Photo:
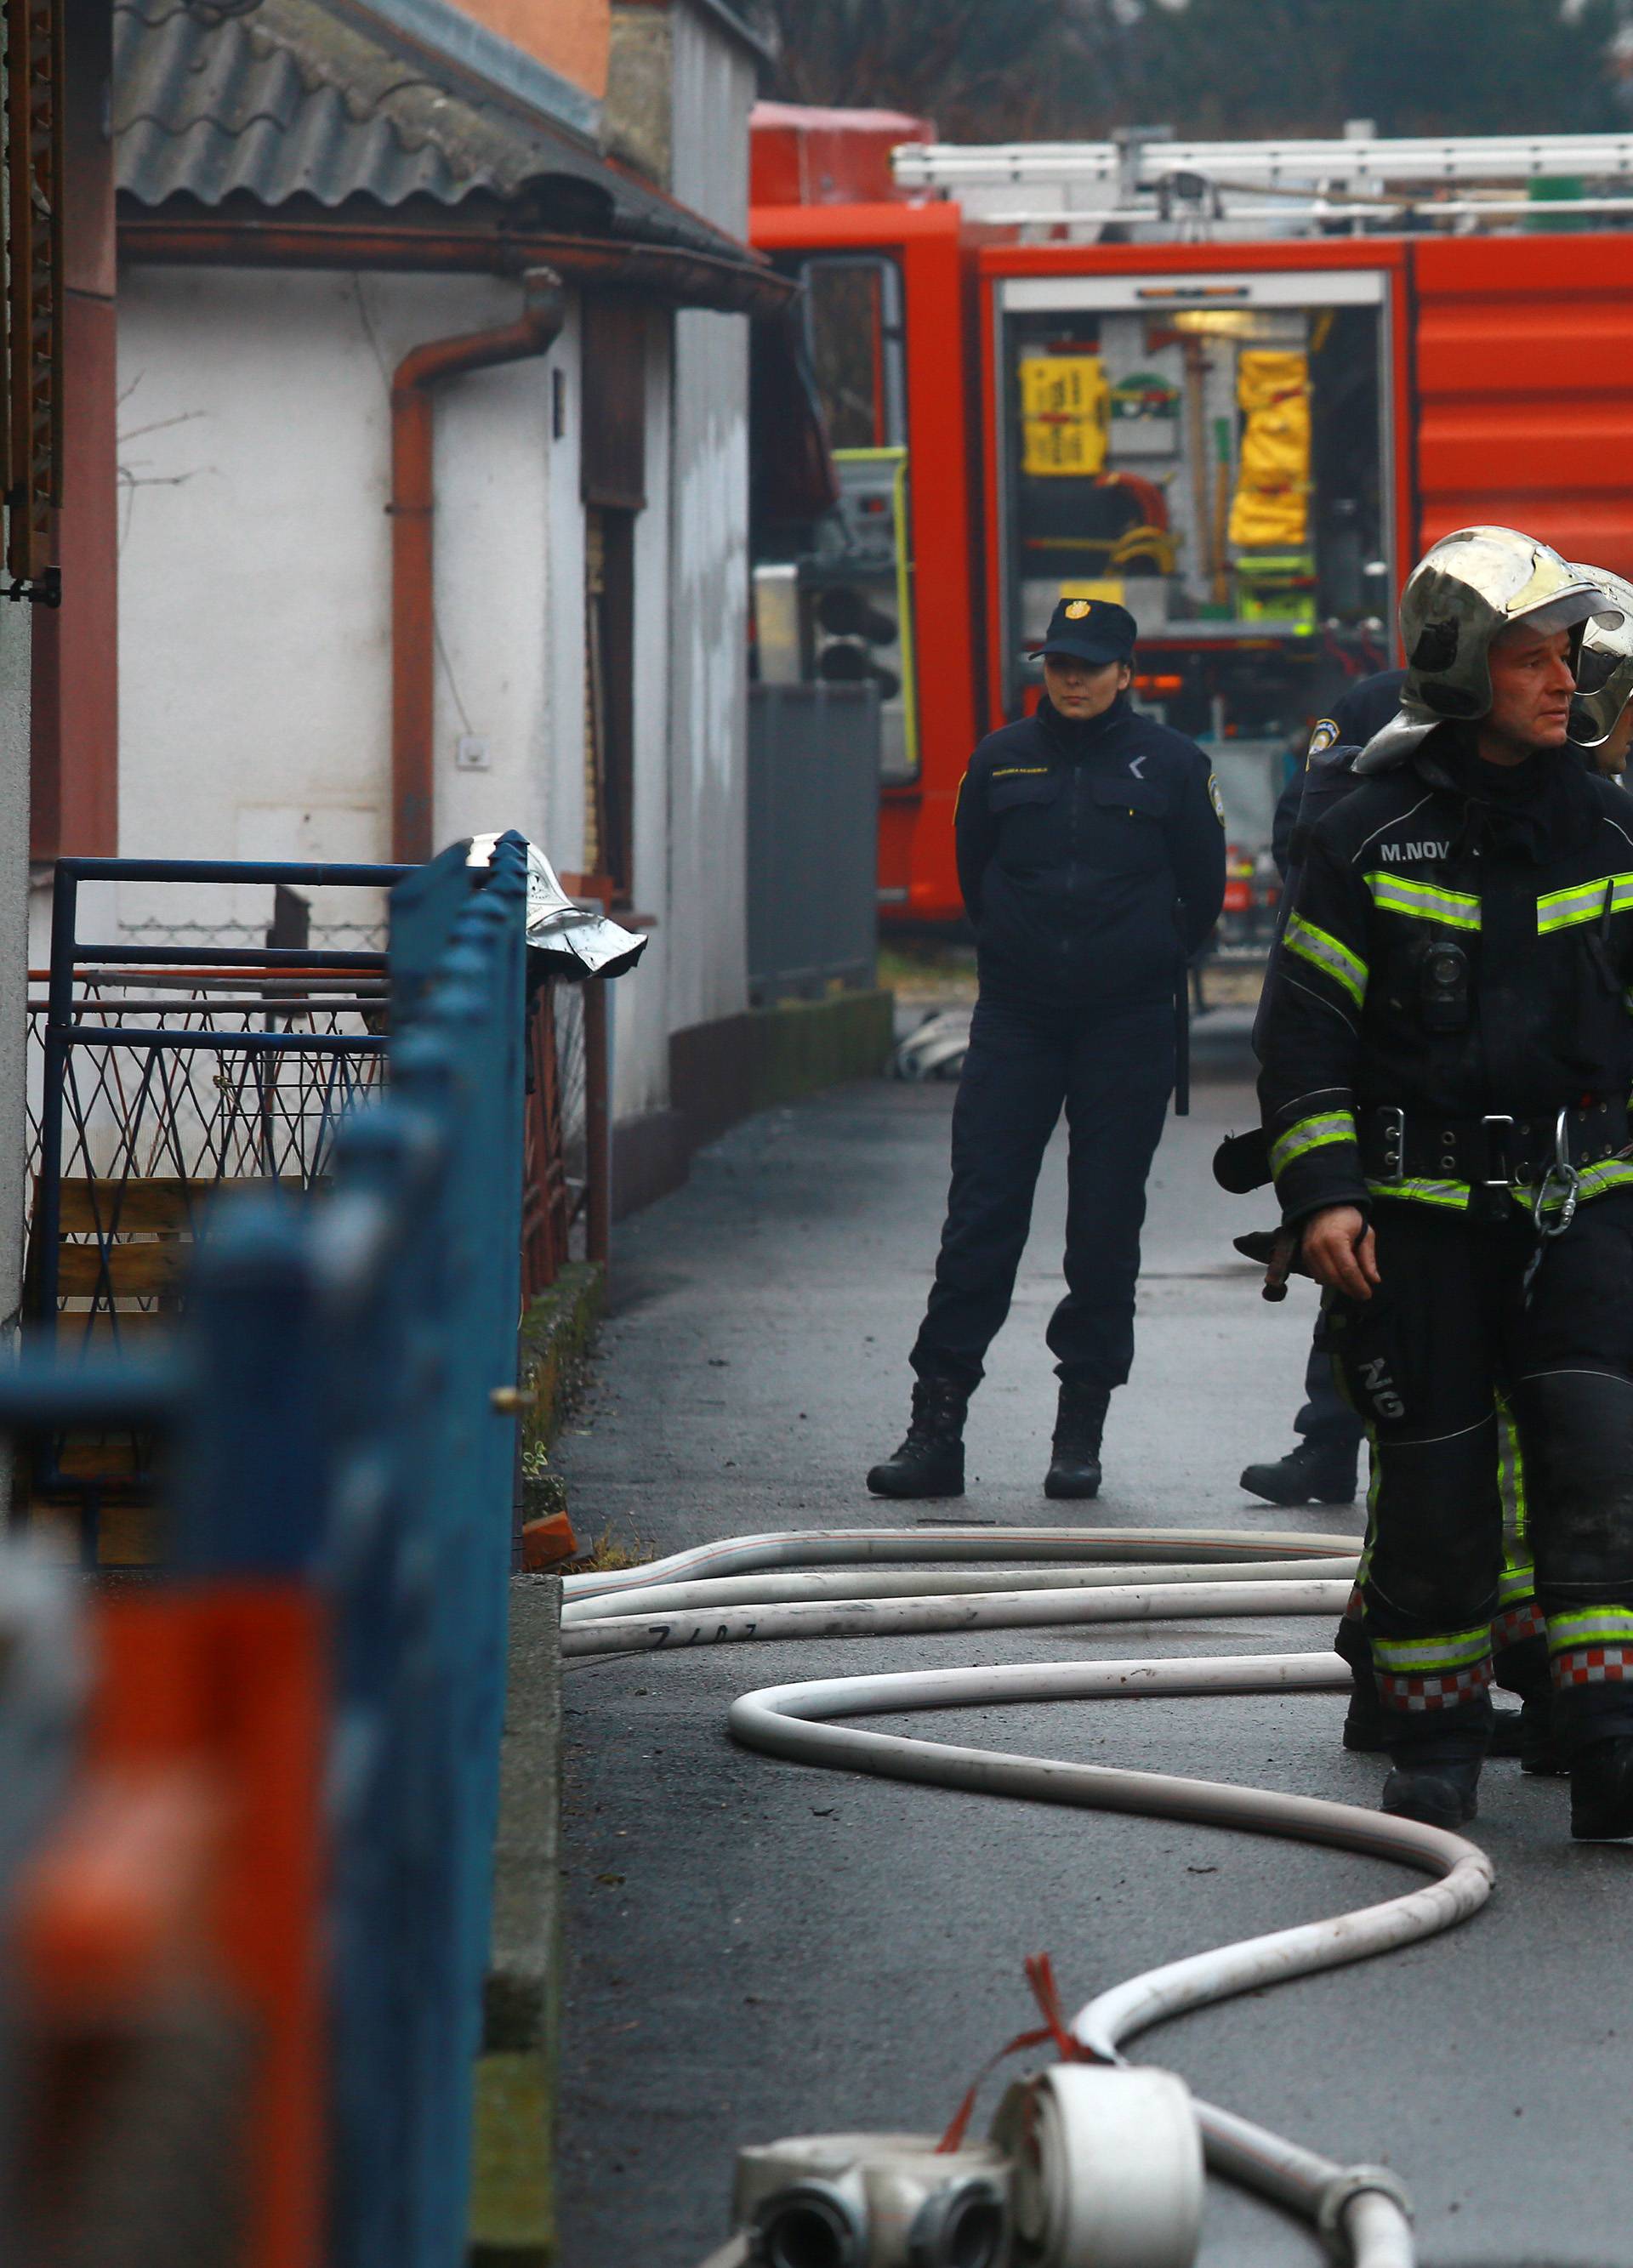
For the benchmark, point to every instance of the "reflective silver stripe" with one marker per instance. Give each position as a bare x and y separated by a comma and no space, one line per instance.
1452,1195
1311,1134
1327,953
1591,1626
1592,1182
1584,902
1423,901
1450,1650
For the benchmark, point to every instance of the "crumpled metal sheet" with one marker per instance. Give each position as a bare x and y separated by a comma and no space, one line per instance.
937,1049
577,940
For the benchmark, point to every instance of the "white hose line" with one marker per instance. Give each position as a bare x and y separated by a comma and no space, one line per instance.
767,1590
793,1721
650,1633
693,1597
827,1547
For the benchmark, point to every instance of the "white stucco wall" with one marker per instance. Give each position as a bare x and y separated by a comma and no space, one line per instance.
714,90
254,581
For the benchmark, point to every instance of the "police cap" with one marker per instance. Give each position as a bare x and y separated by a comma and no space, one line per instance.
1095,630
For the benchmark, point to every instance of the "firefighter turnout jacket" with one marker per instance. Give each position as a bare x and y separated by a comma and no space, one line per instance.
1090,855
1453,975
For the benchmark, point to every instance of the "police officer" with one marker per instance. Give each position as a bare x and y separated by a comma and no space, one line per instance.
1322,1469
1446,1056
1091,848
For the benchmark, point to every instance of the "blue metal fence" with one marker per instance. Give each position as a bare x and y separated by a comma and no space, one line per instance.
338,1409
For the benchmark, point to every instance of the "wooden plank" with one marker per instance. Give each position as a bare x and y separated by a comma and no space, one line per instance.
123,1271
128,1535
162,1202
78,1328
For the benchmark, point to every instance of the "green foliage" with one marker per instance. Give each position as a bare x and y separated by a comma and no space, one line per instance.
1212,68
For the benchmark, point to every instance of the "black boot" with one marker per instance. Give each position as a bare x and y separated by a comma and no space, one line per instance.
1074,1465
1522,1666
930,1461
1313,1473
1366,1721
1437,1765
1366,1725
1601,1791
1541,1751
1435,1794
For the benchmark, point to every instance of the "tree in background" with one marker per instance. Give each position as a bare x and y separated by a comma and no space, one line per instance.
1008,69
968,63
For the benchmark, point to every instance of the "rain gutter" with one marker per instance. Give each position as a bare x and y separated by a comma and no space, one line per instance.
672,275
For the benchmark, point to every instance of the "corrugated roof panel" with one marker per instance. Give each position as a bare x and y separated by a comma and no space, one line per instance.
206,107
318,100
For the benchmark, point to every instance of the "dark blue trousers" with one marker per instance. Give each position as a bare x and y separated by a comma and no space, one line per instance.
1112,1070
1325,1418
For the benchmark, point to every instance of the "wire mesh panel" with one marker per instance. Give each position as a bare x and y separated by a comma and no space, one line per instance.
161,1077
556,1185
169,1094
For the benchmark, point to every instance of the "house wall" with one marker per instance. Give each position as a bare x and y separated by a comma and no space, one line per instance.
568,36
255,577
713,90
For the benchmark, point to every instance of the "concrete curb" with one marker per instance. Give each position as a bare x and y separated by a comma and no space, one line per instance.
513,2219
556,1335
802,1046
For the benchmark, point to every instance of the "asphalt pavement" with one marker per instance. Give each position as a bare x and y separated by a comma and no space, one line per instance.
755,1948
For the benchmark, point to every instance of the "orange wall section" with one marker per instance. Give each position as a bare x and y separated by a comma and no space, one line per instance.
570,37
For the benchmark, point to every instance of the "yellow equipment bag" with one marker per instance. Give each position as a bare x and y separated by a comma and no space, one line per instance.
1271,505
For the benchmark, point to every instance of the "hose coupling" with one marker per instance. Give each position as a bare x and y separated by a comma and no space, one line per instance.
1341,2192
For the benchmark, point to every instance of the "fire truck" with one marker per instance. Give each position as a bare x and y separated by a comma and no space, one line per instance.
1238,386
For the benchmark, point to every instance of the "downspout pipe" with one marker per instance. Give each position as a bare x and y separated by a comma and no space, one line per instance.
413,629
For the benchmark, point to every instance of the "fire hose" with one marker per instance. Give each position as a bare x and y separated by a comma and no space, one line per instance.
735,1592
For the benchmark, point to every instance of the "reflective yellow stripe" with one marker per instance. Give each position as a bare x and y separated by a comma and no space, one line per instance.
1311,1134
1326,953
1421,901
1584,902
1591,1626
1407,1657
1452,1195
1519,1573
1593,1180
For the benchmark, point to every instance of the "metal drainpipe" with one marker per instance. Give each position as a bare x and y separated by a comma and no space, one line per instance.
413,636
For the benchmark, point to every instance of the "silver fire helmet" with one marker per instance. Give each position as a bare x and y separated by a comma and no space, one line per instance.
1604,671
1464,592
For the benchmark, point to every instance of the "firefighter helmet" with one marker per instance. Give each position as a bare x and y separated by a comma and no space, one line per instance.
1605,672
1462,594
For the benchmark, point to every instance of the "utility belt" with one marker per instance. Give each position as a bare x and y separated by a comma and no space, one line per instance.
1490,1154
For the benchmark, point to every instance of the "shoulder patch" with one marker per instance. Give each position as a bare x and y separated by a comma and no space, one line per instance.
1324,737
1214,797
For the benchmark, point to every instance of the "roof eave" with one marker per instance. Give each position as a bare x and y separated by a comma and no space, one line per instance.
674,276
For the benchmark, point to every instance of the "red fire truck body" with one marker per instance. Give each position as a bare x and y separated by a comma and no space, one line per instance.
1247,438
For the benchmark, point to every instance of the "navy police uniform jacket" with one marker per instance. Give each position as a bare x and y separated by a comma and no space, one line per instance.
1091,856
1460,945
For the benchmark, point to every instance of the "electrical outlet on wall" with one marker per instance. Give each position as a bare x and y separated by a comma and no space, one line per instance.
471,753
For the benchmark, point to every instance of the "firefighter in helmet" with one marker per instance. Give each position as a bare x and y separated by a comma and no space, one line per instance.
1601,715
1446,1056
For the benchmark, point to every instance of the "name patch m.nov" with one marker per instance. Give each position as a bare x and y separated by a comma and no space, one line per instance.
1401,854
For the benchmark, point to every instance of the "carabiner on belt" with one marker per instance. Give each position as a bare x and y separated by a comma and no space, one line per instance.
1561,1187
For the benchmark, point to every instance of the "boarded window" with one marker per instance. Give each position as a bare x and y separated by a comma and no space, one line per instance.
613,466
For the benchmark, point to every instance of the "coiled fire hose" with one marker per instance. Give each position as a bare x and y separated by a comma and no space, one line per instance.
897,1581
